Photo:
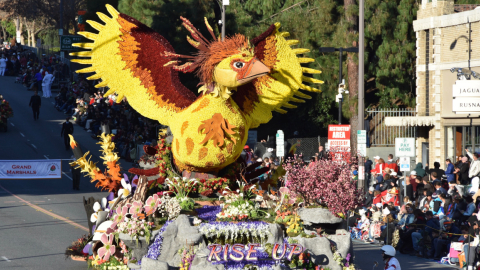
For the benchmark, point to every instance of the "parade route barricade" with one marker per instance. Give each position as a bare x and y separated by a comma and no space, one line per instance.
31,169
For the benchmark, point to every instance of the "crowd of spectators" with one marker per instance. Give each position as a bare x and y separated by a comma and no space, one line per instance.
439,216
85,104
97,114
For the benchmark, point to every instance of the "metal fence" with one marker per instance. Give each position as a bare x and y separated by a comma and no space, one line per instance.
44,49
380,135
307,147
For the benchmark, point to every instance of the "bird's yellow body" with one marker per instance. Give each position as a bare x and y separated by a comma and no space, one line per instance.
243,82
202,122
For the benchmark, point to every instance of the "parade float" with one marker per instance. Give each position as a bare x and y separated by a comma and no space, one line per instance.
194,203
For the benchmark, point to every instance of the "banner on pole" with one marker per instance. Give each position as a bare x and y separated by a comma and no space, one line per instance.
31,169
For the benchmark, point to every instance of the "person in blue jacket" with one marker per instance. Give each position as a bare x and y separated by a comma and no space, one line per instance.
449,171
432,204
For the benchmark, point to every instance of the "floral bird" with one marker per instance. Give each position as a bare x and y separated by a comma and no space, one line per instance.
243,82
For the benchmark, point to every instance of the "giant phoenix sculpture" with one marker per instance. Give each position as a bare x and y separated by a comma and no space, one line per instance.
242,82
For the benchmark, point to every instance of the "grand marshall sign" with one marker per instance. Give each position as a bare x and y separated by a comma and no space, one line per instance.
466,96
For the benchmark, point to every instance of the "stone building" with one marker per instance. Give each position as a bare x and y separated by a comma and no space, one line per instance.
448,109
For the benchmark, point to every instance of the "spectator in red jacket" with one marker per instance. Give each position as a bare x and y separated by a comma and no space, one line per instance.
379,166
392,164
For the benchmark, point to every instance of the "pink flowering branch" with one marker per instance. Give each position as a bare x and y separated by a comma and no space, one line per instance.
328,182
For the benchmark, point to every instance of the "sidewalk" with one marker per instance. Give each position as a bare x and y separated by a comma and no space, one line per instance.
367,254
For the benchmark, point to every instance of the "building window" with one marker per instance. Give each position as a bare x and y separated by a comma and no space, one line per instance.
476,138
458,139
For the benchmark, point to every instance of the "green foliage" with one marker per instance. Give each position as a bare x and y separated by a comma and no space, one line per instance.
187,204
390,41
9,27
49,37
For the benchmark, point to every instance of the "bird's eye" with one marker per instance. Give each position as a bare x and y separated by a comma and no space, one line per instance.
238,65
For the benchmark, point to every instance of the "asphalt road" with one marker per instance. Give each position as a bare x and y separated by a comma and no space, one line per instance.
367,254
40,218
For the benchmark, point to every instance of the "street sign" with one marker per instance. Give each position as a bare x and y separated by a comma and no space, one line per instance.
405,164
60,32
405,147
67,41
280,137
280,141
339,138
19,36
362,149
361,136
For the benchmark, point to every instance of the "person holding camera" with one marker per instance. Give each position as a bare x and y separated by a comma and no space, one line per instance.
474,166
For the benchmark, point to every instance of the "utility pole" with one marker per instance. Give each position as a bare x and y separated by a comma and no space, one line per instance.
361,88
223,21
60,27
222,4
341,84
340,81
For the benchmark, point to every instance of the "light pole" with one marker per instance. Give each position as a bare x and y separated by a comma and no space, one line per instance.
222,4
340,78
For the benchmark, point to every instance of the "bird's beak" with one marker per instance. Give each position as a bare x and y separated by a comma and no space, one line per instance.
254,69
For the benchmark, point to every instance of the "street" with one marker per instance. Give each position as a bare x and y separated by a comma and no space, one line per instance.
367,254
40,218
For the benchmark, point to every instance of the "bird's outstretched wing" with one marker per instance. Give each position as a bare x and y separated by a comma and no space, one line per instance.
273,91
129,57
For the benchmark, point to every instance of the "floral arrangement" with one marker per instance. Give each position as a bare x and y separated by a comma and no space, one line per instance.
283,217
328,182
110,179
343,262
170,207
302,261
212,185
209,213
76,248
241,232
295,226
111,264
135,228
187,256
237,211
182,187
